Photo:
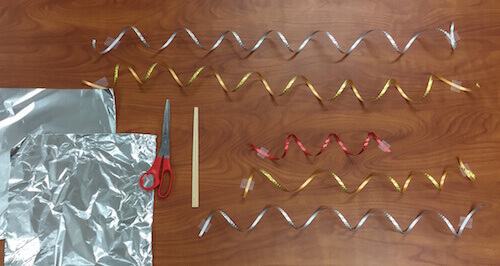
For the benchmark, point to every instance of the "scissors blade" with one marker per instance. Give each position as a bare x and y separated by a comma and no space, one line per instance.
165,136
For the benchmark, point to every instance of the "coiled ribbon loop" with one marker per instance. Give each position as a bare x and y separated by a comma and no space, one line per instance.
438,185
268,87
450,36
456,232
325,144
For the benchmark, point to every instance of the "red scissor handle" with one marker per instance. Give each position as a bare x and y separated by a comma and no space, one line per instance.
160,166
153,171
165,168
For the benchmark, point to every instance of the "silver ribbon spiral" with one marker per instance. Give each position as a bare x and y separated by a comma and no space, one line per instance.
396,225
450,36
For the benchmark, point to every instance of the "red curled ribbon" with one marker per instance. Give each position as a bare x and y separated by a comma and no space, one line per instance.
287,145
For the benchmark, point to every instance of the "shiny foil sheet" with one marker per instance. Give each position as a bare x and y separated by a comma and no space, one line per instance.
76,200
37,111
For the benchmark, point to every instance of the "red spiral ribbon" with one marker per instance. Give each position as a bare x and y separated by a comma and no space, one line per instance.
325,144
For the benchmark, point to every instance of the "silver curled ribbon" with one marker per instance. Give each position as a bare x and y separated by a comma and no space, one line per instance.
396,225
450,36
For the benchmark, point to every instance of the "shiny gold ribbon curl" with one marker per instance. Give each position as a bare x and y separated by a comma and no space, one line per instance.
439,185
268,88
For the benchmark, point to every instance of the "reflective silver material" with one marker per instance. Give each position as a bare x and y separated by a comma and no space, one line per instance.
165,132
456,233
450,36
75,200
37,111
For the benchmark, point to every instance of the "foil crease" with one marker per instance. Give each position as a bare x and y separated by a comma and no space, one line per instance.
75,200
38,111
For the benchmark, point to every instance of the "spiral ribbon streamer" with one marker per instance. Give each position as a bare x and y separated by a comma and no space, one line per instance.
450,36
456,232
268,88
325,144
468,173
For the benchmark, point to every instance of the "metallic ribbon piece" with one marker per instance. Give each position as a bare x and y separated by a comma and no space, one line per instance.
75,200
396,225
325,144
39,111
470,175
450,36
268,88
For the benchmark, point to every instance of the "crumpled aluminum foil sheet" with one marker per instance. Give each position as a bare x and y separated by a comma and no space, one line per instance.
76,200
37,111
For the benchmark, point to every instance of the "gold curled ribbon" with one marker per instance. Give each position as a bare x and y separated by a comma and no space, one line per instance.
439,185
268,88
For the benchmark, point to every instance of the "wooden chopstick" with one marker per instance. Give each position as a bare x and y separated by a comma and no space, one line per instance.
195,189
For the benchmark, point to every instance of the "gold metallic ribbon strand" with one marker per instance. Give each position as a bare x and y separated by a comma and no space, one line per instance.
456,232
268,88
438,185
450,36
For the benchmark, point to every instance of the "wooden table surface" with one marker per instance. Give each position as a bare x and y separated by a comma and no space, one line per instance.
47,43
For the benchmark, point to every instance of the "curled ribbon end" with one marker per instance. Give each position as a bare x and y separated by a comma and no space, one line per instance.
470,174
466,170
93,85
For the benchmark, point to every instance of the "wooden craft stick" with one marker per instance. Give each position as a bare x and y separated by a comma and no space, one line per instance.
195,191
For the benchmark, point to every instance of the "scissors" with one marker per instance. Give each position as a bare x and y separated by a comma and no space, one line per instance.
161,164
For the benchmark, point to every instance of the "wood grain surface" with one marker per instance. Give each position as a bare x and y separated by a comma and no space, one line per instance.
47,43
